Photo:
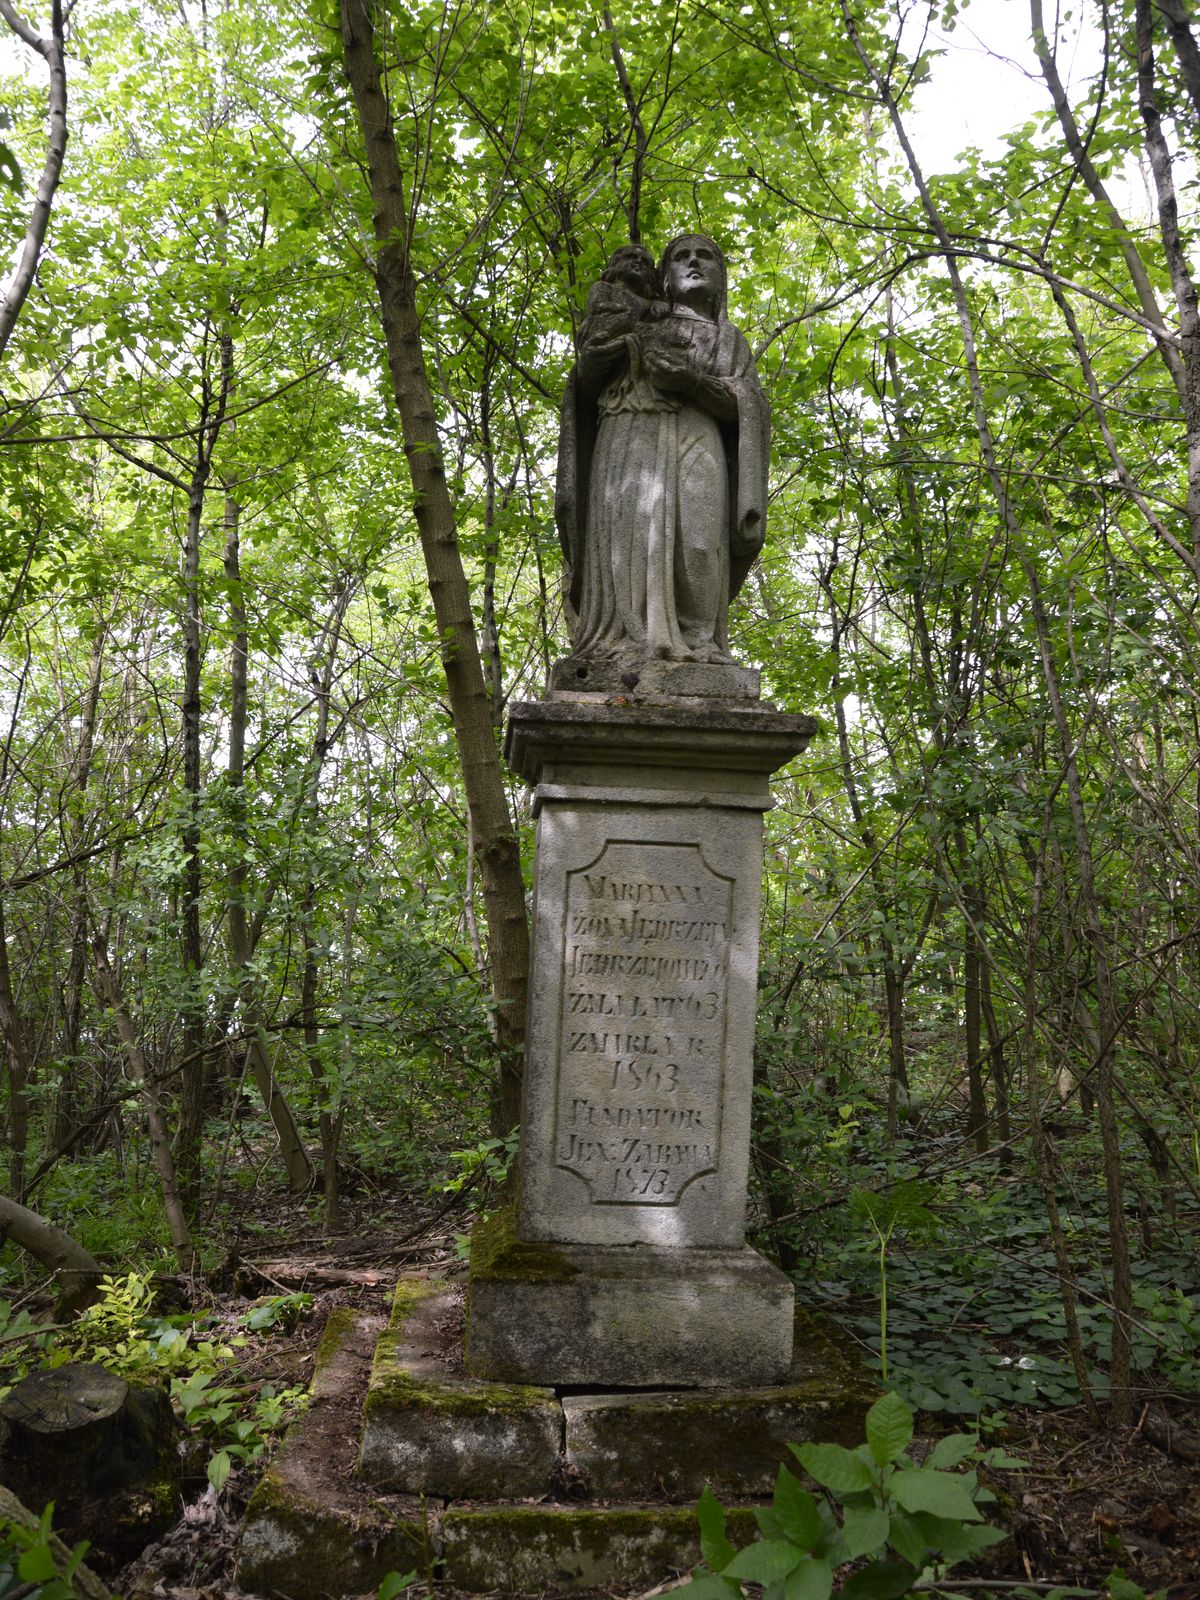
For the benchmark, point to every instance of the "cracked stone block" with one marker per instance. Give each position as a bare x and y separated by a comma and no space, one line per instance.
733,1441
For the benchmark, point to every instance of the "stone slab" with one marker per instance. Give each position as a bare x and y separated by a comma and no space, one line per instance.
730,1440
597,746
303,1534
576,675
428,1430
641,1316
528,1549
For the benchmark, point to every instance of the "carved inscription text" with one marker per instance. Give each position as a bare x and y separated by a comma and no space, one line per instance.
642,1031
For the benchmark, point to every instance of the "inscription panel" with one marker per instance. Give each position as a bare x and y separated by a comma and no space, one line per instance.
642,1027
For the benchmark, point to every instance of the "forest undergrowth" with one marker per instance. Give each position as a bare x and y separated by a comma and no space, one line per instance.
936,1267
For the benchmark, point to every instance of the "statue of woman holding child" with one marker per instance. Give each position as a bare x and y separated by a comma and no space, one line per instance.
662,474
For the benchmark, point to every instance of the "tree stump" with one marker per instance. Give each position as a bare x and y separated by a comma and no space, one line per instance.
103,1450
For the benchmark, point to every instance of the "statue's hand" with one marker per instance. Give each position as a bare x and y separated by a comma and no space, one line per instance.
670,370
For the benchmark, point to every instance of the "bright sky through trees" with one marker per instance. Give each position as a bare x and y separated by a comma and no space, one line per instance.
986,82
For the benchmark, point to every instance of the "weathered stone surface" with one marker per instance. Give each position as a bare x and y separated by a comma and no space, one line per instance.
105,1451
661,499
304,1535
627,743
307,1549
428,1431
584,675
626,1317
527,1549
732,1440
636,1116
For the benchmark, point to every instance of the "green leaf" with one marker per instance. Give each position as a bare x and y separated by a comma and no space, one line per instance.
765,1561
865,1528
1119,1587
714,1546
797,1515
907,1540
889,1428
38,1565
882,1580
395,1583
955,1447
923,1489
218,1470
834,1467
955,1540
707,1586
811,1580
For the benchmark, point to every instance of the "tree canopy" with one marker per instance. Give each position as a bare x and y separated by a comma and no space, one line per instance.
288,371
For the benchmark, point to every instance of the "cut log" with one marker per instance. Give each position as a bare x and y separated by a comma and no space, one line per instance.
103,1450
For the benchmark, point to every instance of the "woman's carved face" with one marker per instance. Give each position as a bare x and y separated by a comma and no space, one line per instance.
694,272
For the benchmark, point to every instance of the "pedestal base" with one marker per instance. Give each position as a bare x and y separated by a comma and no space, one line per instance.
628,1316
444,1459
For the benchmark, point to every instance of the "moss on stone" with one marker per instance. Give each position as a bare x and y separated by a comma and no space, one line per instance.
339,1324
411,1293
497,1252
393,1388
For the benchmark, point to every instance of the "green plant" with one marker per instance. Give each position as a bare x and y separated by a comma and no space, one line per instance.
238,1426
122,1332
395,1583
928,1516
902,1206
28,1565
490,1160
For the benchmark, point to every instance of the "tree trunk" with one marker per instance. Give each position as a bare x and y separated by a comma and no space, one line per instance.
17,1061
192,1091
241,945
108,992
75,1271
52,52
495,838
65,1109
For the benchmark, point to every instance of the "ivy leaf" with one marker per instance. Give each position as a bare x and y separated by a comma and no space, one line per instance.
889,1428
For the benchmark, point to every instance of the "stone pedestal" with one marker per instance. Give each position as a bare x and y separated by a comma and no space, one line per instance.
636,1118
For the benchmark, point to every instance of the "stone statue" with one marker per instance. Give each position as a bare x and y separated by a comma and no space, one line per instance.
662,469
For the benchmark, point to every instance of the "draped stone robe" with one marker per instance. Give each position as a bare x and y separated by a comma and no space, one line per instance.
662,497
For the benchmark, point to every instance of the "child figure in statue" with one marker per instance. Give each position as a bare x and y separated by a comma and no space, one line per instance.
627,290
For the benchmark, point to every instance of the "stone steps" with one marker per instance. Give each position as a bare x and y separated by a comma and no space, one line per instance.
448,1465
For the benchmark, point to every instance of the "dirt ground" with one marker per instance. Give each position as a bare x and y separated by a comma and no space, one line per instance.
1089,1501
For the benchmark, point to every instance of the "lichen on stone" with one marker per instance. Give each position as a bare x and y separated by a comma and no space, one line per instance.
497,1252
